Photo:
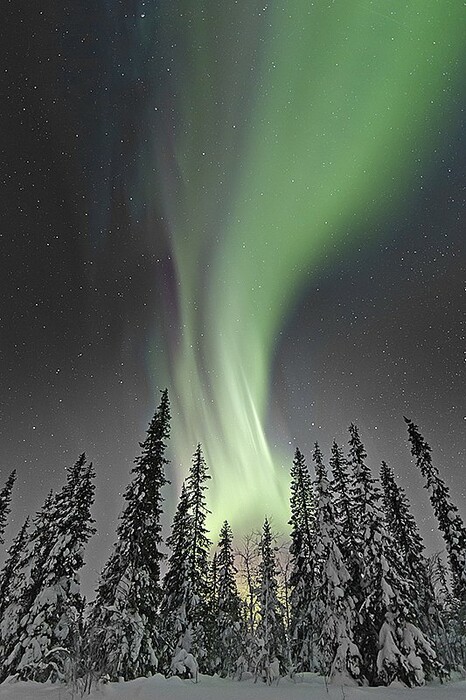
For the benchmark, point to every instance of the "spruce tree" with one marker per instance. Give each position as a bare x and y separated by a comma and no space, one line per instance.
344,508
55,618
25,584
319,466
5,500
320,474
199,555
186,583
334,604
449,520
393,648
124,625
270,657
200,543
402,526
226,608
45,643
177,590
400,520
362,558
7,575
302,571
450,638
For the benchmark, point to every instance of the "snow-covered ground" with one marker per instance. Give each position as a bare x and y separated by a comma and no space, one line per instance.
309,687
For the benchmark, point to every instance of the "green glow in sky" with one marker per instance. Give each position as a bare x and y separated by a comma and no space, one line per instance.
301,125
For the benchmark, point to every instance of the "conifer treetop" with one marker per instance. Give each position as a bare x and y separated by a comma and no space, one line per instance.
364,490
301,503
5,500
358,454
154,446
200,543
321,472
341,484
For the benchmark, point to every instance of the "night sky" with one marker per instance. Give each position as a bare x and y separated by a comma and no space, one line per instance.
258,205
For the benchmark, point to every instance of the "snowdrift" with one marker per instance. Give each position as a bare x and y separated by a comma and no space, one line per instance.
307,687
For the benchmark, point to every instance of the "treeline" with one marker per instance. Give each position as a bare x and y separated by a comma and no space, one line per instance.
353,597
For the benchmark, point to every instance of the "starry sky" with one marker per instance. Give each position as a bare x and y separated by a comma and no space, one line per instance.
258,205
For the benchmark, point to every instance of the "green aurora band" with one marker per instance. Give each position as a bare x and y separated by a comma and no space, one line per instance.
298,129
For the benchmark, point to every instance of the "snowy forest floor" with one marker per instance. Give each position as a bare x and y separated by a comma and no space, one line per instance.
306,687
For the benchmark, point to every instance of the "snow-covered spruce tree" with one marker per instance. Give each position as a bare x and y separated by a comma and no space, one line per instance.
302,565
401,522
48,632
402,526
335,613
176,586
8,583
123,623
450,639
392,647
52,638
199,554
270,653
185,609
227,608
320,472
25,584
363,519
15,553
449,520
5,500
341,485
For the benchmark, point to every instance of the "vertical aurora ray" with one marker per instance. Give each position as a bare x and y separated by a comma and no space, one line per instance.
296,129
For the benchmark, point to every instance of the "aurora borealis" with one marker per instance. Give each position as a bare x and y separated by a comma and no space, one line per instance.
280,159
258,205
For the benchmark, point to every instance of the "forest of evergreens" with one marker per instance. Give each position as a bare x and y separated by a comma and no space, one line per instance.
353,597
